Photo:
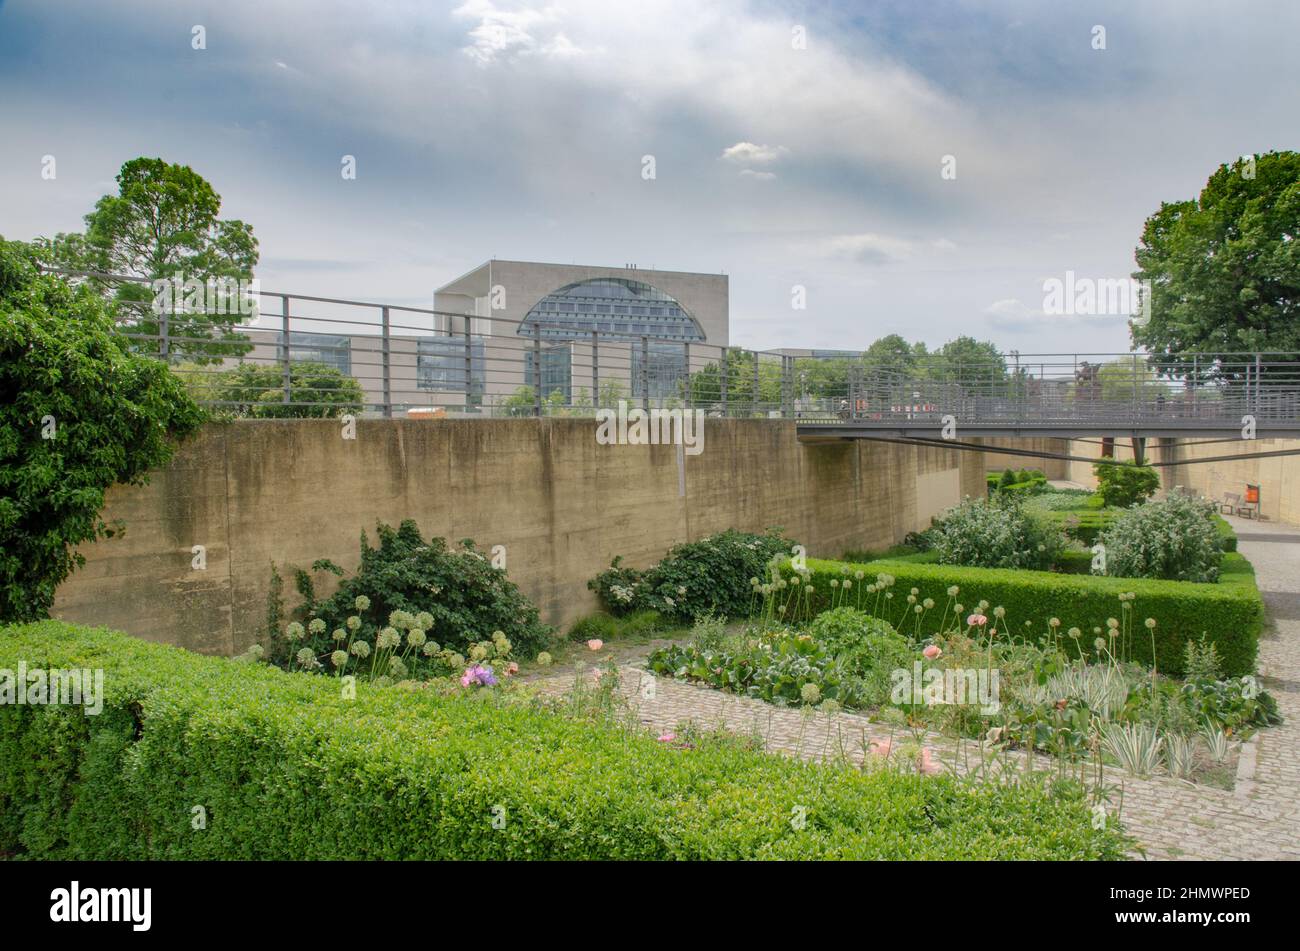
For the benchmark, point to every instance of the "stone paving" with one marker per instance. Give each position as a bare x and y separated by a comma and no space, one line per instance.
1258,819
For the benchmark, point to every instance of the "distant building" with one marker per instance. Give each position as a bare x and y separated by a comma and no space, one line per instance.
535,325
528,324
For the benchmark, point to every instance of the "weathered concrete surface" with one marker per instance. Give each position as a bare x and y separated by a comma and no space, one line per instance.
1278,477
289,492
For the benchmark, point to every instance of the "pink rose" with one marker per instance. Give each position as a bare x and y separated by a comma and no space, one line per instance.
932,652
595,644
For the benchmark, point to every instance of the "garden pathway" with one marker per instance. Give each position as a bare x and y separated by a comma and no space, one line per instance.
1258,819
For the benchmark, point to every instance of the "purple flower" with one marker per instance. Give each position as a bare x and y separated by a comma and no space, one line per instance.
486,677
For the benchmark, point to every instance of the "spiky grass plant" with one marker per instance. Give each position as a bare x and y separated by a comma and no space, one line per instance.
1135,747
1180,755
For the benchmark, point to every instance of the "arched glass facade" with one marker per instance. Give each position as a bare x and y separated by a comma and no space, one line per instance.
614,306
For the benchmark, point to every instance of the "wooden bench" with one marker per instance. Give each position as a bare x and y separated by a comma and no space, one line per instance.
1231,502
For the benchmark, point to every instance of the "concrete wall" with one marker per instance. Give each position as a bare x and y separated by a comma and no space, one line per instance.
255,492
1277,477
1052,468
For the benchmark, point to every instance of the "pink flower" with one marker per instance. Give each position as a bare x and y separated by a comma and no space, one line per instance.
928,766
976,620
667,737
466,678
511,669
595,644
932,652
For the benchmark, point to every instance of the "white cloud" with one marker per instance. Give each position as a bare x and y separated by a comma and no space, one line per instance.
758,176
500,32
747,153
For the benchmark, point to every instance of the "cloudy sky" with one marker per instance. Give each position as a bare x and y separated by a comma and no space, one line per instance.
793,143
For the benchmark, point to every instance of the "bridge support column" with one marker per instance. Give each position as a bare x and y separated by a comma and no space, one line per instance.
1139,449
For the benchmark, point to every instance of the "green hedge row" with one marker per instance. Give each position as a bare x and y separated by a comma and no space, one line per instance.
286,768
1092,522
1230,612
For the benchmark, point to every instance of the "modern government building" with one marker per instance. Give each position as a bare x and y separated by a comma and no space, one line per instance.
572,329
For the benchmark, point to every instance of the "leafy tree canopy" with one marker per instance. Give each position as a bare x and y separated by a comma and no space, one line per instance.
162,224
1225,267
79,412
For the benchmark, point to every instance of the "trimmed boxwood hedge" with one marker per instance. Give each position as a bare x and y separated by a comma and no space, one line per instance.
1092,522
1230,612
286,768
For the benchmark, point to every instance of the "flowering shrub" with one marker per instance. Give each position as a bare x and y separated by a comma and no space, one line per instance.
1176,539
995,533
422,604
709,576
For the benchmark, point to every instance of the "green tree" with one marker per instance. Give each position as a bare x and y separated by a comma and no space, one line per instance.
1224,268
163,226
967,360
705,385
253,390
1123,381
822,378
892,355
1122,484
79,412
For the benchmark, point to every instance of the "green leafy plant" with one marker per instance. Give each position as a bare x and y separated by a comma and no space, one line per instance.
995,533
1175,539
1201,660
618,588
1122,484
461,602
709,576
256,390
79,412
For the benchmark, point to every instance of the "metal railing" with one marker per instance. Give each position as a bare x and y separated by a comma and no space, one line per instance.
1126,389
413,360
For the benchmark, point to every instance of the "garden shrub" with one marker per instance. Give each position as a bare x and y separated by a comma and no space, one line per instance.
1122,484
79,412
1176,539
289,768
709,576
618,588
465,599
995,533
1229,613
869,644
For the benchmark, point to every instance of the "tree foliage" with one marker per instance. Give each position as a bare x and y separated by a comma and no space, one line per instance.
79,412
1225,267
256,391
164,223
